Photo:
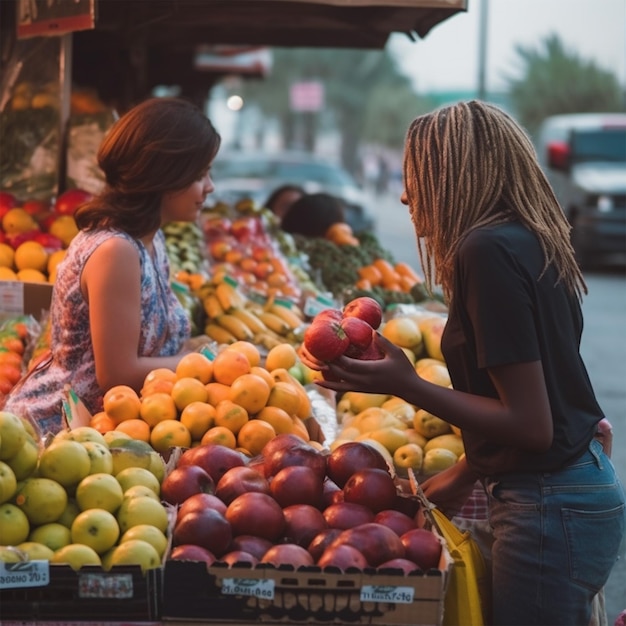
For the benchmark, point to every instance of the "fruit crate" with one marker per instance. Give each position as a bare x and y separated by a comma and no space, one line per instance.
124,593
242,595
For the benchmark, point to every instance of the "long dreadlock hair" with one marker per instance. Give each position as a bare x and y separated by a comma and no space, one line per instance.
471,165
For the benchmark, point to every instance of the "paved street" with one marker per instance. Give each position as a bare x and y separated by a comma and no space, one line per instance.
603,349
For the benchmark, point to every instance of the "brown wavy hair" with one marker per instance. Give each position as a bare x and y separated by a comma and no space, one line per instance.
161,145
471,165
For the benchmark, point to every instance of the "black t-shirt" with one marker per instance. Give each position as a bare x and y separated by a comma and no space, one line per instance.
502,313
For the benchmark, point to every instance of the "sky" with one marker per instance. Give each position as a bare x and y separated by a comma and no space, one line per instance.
448,57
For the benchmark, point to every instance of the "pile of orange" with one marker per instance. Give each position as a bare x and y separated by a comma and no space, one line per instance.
232,400
382,273
13,337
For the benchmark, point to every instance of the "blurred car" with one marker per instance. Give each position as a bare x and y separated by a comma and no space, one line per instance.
584,157
245,174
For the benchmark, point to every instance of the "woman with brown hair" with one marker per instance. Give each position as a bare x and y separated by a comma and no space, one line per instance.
491,232
114,317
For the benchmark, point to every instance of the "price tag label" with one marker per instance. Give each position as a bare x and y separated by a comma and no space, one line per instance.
394,595
24,574
312,306
12,296
254,587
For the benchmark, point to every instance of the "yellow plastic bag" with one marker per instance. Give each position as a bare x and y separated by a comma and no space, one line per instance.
467,594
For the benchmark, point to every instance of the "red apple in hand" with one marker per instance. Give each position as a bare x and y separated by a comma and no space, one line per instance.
325,339
371,487
365,308
183,482
359,333
70,200
351,456
422,547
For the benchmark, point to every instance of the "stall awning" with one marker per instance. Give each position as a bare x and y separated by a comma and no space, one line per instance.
278,23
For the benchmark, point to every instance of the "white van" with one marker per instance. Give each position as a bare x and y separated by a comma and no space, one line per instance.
584,157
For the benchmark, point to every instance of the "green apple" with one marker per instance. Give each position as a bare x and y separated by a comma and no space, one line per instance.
43,500
429,425
14,525
124,457
69,514
8,482
450,441
157,466
438,459
149,533
99,491
136,552
12,434
65,461
97,529
359,401
114,437
391,438
133,476
414,437
25,461
76,555
53,535
36,551
100,457
142,510
140,490
409,455
11,554
83,434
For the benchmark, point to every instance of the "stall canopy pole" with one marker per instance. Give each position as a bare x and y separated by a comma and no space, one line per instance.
65,90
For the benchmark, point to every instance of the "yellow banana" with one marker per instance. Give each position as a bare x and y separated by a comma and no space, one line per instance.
249,319
212,306
287,315
268,339
228,296
219,333
235,326
275,323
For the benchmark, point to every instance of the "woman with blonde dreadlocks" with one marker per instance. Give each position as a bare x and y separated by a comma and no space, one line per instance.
492,234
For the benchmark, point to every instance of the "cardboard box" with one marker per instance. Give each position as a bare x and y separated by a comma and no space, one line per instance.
20,298
124,593
243,595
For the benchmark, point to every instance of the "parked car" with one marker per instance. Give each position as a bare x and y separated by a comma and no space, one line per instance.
584,157
248,174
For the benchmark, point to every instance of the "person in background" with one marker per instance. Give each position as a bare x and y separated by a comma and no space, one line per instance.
114,316
490,231
281,199
313,214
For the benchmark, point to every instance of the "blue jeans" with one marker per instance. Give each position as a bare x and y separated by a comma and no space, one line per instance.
556,539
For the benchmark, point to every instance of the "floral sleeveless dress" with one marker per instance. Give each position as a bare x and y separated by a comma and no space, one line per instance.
164,327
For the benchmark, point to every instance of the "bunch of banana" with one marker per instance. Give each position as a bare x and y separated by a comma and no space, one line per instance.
184,243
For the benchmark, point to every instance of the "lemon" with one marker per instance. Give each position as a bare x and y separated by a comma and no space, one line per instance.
17,221
31,255
6,255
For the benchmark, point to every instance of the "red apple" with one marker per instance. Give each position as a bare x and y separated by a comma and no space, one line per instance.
371,353
407,504
297,484
300,455
244,228
288,554
256,546
217,226
371,487
239,556
256,514
183,482
214,459
365,308
325,339
70,200
238,480
342,556
402,564
422,547
322,540
191,552
302,523
206,528
347,515
351,456
201,501
48,241
359,333
376,542
396,520
282,440
36,208
334,315
331,493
